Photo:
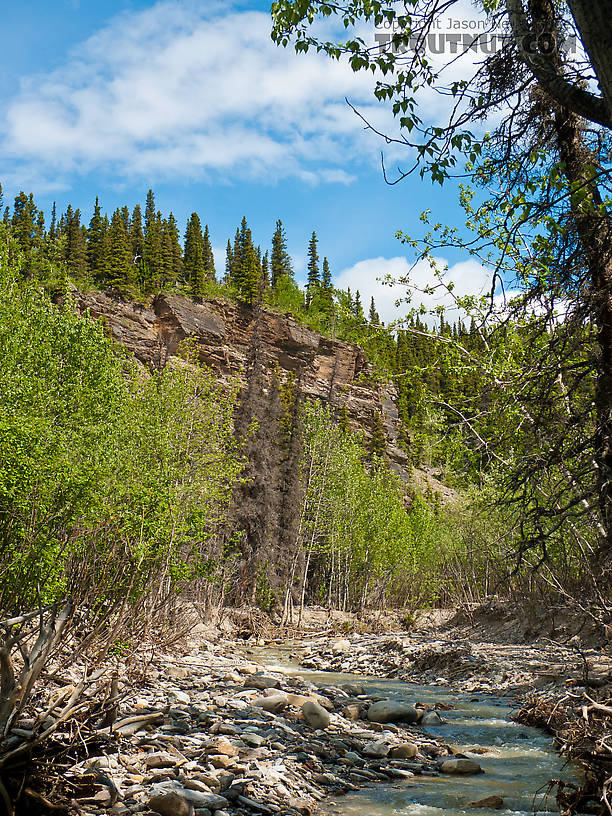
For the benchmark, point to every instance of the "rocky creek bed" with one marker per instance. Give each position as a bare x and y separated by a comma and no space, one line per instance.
213,731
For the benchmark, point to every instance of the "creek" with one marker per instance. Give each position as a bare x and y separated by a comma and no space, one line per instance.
518,761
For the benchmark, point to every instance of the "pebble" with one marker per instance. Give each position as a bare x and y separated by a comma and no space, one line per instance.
211,734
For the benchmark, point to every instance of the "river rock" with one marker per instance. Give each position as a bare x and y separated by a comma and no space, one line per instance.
352,712
315,715
494,802
406,750
341,646
391,711
261,682
431,718
376,750
353,689
160,759
460,765
170,804
274,703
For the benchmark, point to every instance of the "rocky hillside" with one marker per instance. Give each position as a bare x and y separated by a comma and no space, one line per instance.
333,371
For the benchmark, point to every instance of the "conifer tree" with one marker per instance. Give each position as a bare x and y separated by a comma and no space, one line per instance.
313,268
195,269
255,508
121,270
249,276
167,277
246,266
76,247
177,251
373,316
25,214
125,215
327,291
209,258
265,271
280,260
1,197
343,420
357,307
229,261
96,244
152,244
292,485
137,241
53,225
377,445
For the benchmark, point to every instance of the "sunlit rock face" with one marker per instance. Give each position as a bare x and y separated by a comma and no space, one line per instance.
333,371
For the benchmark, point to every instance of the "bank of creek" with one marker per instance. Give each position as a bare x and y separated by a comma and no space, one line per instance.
368,724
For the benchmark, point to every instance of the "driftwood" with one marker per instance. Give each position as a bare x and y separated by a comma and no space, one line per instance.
582,725
16,686
61,714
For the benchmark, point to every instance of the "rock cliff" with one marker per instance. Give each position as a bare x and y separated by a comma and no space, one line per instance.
333,371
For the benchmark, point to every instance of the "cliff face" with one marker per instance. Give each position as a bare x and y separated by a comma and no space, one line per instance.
333,371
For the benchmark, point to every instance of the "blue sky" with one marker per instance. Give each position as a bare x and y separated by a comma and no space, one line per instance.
192,99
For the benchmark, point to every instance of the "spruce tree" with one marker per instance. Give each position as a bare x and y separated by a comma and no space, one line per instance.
373,316
53,225
327,291
249,275
280,260
75,247
313,269
167,276
152,244
195,269
229,261
121,270
209,258
357,307
255,510
265,271
137,241
25,214
177,251
377,445
96,244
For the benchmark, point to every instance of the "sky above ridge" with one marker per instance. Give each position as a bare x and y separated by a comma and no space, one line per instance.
193,100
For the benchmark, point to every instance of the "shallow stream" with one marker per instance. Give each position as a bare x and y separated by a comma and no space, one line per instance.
518,761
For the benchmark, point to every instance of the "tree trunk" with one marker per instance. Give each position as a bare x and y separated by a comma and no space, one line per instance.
594,21
594,230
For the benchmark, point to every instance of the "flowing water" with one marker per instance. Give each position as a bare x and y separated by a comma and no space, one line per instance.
518,761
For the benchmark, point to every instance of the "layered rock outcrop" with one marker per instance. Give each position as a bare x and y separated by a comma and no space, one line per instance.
333,371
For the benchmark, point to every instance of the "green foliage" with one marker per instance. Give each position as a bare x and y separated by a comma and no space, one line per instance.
106,479
355,519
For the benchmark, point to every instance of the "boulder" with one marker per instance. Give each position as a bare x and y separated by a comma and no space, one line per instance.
170,804
341,646
376,750
459,765
315,715
406,750
431,718
351,712
493,802
353,689
274,703
391,711
261,682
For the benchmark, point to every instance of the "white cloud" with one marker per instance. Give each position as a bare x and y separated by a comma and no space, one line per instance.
368,276
177,92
